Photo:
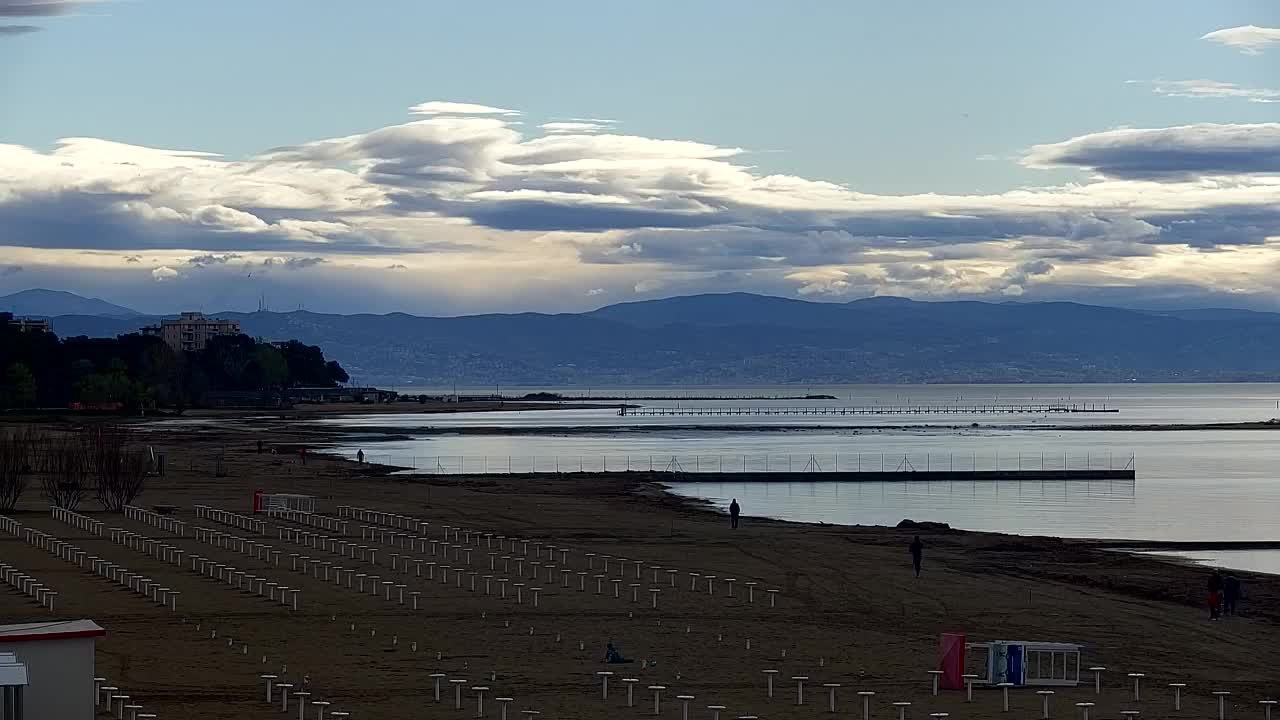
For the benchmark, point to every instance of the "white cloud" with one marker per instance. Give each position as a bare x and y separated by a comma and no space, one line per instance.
593,292
649,285
437,107
468,195
824,281
1249,39
1213,89
574,128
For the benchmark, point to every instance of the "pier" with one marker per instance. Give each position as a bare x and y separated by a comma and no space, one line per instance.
1017,409
809,467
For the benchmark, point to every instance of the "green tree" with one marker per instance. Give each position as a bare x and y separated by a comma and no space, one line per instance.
21,386
268,368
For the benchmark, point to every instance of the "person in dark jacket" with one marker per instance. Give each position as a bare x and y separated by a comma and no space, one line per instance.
917,554
1230,594
1215,595
734,511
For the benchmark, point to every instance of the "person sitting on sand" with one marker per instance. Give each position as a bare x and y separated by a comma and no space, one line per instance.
734,511
612,656
917,554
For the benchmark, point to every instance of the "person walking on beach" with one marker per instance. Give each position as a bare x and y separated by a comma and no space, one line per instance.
1230,594
360,456
734,511
1215,595
917,554
259,446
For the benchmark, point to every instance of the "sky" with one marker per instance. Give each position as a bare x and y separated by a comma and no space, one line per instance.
451,158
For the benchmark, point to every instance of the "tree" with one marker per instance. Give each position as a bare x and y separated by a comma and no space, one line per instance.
63,467
307,366
15,465
268,368
119,471
335,372
21,386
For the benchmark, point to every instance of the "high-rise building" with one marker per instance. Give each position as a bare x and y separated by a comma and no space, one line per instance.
191,331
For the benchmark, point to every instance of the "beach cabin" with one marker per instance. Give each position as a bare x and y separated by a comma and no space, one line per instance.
13,682
47,669
1023,663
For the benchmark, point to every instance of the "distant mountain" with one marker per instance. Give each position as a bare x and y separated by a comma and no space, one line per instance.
51,303
742,338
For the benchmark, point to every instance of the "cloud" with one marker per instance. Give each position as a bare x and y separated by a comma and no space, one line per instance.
833,282
398,266
293,263
211,259
8,270
473,202
1249,39
163,273
18,29
574,127
1016,278
593,292
438,107
1213,89
649,285
37,8
1176,153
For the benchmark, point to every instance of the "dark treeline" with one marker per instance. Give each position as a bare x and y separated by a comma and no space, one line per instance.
39,369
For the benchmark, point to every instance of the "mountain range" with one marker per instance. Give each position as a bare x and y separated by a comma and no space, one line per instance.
51,303
741,338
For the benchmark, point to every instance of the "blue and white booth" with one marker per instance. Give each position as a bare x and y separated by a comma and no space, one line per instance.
1022,663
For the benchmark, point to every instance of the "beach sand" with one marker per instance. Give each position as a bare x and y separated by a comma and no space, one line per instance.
848,609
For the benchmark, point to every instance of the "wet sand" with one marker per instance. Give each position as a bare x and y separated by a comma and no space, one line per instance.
848,611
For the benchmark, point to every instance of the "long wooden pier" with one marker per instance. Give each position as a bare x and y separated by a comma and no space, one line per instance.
1012,409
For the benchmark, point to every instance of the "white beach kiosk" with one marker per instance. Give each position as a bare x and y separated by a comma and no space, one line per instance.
1021,663
46,670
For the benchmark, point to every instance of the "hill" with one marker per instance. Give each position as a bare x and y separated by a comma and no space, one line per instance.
740,338
51,303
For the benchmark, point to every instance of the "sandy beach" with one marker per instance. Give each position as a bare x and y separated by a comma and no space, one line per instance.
848,609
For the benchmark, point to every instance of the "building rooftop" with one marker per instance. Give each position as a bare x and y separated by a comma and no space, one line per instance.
56,630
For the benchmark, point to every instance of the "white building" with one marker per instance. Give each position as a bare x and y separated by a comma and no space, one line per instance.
59,668
191,331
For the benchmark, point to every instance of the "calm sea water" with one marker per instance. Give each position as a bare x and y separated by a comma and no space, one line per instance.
1192,485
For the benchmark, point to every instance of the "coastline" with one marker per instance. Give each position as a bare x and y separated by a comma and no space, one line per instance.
848,611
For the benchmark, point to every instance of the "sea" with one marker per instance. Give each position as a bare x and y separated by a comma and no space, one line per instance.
1193,486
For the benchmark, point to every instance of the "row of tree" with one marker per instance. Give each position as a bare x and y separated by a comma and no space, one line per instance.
69,466
38,369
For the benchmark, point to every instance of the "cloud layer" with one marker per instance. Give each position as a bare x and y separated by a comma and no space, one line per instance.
1214,89
464,200
37,8
1249,39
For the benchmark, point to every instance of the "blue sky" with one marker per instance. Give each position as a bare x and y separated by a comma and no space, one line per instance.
889,99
